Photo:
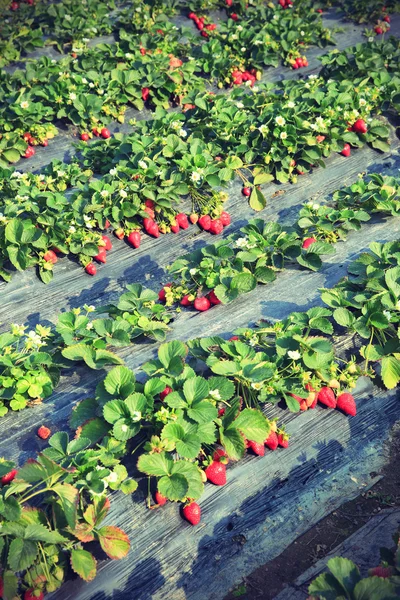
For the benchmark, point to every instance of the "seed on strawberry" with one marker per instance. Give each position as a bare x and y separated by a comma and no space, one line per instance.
327,397
205,222
346,150
216,227
33,594
107,242
9,477
101,256
119,233
165,392
84,137
43,432
246,191
213,298
202,304
216,473
145,94
360,126
308,241
257,448
105,133
192,513
225,218
160,499
91,269
182,220
50,256
272,441
134,239
346,403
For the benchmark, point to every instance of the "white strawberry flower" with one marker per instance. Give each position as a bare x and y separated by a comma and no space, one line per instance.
128,55
294,354
71,229
195,176
370,39
17,174
243,49
290,104
124,428
387,314
3,219
84,80
68,17
60,173
239,105
112,477
257,385
302,32
263,129
17,330
35,338
176,125
24,104
283,135
142,164
72,96
91,84
123,194
104,193
193,271
280,121
215,394
183,133
362,102
313,77
315,206
89,326
113,171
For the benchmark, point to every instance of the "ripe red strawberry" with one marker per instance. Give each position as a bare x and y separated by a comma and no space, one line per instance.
182,220
185,300
91,269
257,448
1,587
14,6
44,432
150,212
213,298
107,224
216,473
134,239
225,218
84,137
246,191
234,338
95,131
27,136
380,571
145,94
220,453
221,412
283,440
105,133
175,228
165,392
142,51
29,152
194,218
9,477
101,256
151,227
192,513
327,397
234,17
119,233
308,241
107,242
216,227
346,150
320,138
160,499
50,256
205,222
272,441
347,404
161,293
360,126
229,2
378,30
33,594
192,16
202,304
44,143
386,18
211,26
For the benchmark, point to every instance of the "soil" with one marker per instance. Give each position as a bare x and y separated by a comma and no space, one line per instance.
267,581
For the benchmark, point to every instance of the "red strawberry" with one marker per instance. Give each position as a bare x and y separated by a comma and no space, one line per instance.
346,150
32,594
185,300
216,473
161,293
216,227
101,256
105,133
308,241
8,477
44,432
145,94
378,30
320,138
182,220
95,131
50,256
84,137
194,218
205,222
192,16
225,218
150,212
91,269
107,224
44,143
14,6
151,227
192,513
283,440
272,441
175,228
29,152
301,401
119,233
380,571
347,404
27,136
257,448
221,412
246,191
202,304
107,241
1,587
229,2
160,499
327,397
386,18
234,17
220,453
165,392
213,298
360,126
134,239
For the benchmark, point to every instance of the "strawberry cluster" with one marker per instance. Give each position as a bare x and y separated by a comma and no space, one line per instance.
326,396
101,257
285,3
240,77
382,25
201,25
299,62
32,141
360,127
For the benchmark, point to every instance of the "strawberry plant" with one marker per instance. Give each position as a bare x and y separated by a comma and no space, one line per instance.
363,11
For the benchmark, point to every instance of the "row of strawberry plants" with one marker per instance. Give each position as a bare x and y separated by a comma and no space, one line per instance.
218,273
188,426
363,11
272,134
